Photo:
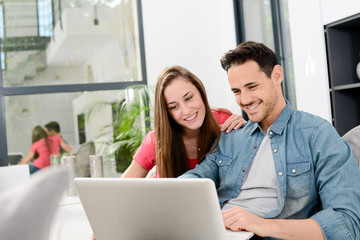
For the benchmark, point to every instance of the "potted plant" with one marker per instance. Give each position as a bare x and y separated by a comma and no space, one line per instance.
131,122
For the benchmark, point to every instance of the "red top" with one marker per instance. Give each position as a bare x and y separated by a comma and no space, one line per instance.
42,150
54,144
145,155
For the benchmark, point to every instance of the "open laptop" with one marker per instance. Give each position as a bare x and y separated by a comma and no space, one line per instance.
153,209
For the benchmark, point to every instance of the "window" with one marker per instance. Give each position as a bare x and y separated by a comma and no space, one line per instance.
93,51
267,21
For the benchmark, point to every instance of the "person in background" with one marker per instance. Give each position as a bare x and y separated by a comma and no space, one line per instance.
38,150
287,174
185,128
57,144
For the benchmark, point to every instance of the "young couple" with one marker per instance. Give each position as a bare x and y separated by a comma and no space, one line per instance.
45,142
286,174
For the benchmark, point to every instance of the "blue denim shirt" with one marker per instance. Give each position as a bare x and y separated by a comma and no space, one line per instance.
317,172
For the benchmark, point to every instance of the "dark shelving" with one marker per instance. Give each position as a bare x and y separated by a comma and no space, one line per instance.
343,55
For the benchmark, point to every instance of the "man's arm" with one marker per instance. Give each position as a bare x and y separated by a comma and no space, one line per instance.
238,219
337,181
207,169
65,146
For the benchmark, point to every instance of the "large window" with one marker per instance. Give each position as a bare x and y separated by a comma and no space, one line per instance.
267,21
59,59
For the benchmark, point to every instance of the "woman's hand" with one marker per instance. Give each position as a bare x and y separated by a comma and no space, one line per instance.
232,123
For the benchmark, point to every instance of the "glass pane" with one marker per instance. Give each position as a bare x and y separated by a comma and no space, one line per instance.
288,57
91,41
80,122
258,22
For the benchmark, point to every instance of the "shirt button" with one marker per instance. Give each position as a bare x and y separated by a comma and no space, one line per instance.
220,161
243,170
275,150
293,171
255,147
271,133
280,173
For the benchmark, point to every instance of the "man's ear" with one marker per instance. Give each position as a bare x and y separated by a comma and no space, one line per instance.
277,74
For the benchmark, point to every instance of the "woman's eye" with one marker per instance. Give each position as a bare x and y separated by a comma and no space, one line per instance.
188,98
172,107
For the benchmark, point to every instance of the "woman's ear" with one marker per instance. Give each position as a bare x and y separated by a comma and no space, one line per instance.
277,74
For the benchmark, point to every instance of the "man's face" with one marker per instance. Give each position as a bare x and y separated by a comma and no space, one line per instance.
255,92
50,132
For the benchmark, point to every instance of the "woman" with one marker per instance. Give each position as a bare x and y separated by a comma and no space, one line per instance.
185,126
38,150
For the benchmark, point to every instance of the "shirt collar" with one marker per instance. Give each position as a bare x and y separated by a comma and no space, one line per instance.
280,123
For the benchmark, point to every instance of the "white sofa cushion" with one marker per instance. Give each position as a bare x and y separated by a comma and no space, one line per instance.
27,210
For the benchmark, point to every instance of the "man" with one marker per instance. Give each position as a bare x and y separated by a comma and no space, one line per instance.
286,174
58,145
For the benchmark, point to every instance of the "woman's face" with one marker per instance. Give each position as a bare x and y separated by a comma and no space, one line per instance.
185,104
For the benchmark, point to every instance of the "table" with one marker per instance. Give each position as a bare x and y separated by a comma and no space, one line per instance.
70,222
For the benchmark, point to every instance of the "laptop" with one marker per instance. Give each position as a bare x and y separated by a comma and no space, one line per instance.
153,209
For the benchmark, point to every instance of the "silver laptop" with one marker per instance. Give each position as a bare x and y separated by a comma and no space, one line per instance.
153,209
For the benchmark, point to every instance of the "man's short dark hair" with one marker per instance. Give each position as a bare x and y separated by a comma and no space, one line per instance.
53,126
258,52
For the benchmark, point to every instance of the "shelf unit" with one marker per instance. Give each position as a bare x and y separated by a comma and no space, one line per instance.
343,55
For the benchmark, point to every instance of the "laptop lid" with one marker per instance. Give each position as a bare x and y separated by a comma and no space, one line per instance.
153,209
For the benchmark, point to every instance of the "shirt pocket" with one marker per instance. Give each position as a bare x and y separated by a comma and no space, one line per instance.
224,164
298,179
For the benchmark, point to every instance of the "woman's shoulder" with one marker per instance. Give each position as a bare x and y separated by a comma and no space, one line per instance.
221,114
38,143
150,137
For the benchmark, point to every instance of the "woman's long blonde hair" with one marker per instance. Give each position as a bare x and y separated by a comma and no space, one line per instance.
171,159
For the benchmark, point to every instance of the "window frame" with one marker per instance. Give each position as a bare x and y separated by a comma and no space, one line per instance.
64,88
277,23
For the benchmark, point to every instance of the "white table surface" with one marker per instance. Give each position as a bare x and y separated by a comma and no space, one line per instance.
70,222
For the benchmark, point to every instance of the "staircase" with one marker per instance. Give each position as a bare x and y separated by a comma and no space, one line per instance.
27,27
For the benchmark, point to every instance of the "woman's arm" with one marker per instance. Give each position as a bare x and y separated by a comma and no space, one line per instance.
65,146
27,158
135,170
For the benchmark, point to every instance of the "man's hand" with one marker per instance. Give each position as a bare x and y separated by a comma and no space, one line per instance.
238,219
232,123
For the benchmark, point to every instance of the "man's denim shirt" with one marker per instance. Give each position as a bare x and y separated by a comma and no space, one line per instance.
315,168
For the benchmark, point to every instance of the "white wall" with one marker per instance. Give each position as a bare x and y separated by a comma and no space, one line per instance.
308,45
194,34
333,10
309,54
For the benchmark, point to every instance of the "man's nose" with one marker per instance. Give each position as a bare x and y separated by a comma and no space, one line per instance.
244,99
